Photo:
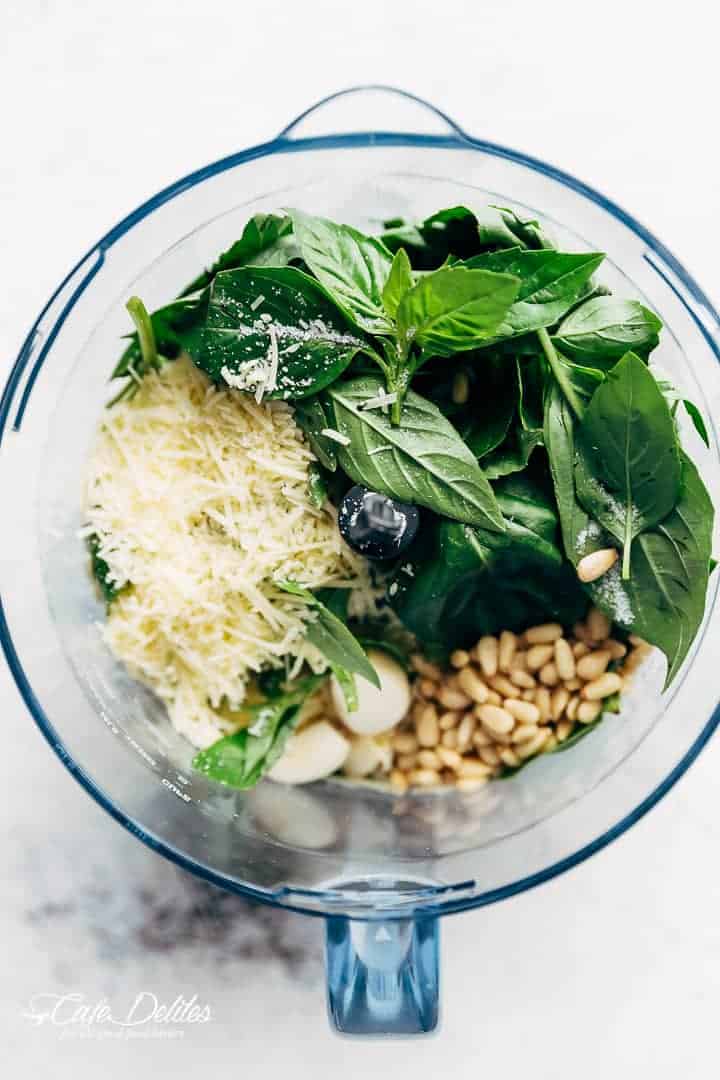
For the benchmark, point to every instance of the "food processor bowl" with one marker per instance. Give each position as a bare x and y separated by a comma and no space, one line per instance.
381,869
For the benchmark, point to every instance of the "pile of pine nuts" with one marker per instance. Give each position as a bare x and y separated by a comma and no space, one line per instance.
506,700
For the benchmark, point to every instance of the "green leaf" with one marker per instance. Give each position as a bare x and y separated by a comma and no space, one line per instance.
313,340
458,583
423,462
346,682
513,454
603,329
669,570
317,486
266,241
353,268
454,309
559,439
399,280
499,227
331,637
550,283
627,473
311,417
485,422
240,760
699,424
101,571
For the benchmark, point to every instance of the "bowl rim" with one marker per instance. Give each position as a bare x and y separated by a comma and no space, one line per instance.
443,899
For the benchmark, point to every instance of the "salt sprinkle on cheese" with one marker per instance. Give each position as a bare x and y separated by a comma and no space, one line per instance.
199,498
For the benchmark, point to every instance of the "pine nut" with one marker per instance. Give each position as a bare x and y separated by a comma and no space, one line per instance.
398,781
542,700
460,658
426,667
467,785
563,729
616,649
481,739
460,388
573,684
531,746
450,758
428,733
465,732
406,761
486,652
448,720
509,757
473,769
453,699
427,688
544,634
496,720
523,679
580,631
404,743
538,656
424,777
637,641
523,711
564,659
473,685
635,659
523,732
506,650
558,700
428,759
519,661
593,665
503,685
449,739
550,744
580,649
528,695
549,674
598,624
607,684
572,707
493,698
588,711
489,755
501,740
597,563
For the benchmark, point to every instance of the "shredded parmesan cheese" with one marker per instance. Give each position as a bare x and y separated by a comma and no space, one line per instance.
199,498
336,436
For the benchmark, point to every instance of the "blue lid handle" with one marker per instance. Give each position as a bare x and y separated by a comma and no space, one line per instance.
383,975
404,104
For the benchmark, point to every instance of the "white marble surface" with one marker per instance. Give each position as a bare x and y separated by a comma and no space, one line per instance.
613,968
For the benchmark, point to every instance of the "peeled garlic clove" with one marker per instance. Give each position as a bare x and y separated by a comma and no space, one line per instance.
311,754
366,755
378,710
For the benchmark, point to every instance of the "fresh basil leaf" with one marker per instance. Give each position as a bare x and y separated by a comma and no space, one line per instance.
699,424
627,472
669,571
331,637
453,231
399,280
266,241
240,760
550,283
499,227
485,421
168,325
311,417
584,381
353,268
513,454
423,462
559,439
459,583
454,309
101,571
603,329
346,682
313,340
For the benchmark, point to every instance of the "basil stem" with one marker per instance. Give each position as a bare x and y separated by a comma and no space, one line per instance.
561,377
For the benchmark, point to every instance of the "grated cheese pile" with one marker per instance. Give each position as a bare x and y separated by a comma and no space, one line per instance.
199,498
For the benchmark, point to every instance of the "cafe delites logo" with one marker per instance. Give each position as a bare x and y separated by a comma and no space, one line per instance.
146,1015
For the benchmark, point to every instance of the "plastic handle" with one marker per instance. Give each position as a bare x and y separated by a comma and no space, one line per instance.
382,976
394,112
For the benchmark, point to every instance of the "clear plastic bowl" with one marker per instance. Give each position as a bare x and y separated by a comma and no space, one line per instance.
381,869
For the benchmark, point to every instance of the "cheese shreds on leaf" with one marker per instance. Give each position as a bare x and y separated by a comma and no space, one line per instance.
199,498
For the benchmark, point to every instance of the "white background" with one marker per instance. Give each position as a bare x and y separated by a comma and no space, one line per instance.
612,969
